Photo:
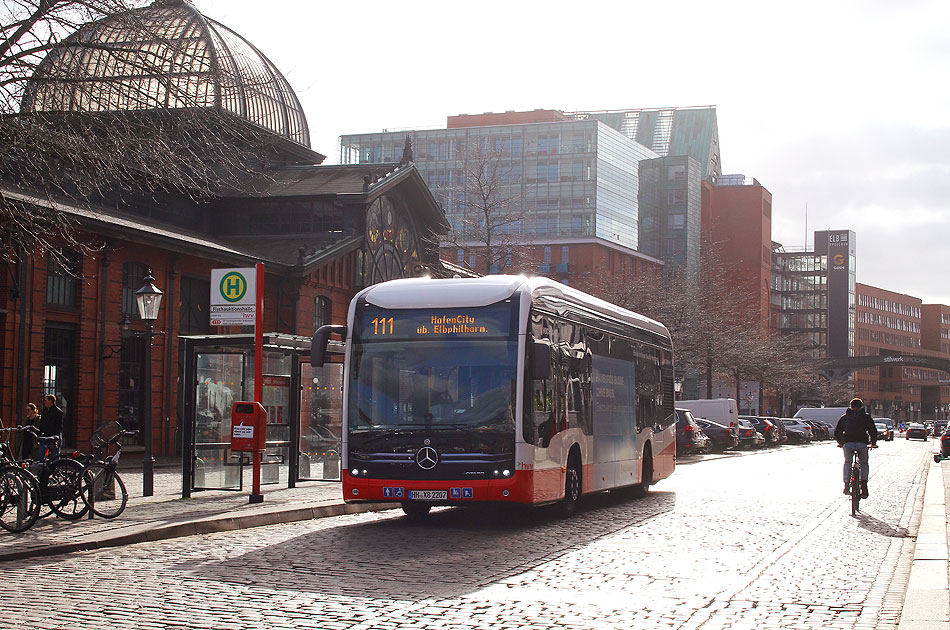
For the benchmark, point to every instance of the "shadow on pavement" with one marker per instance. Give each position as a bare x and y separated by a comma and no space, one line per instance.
877,526
453,552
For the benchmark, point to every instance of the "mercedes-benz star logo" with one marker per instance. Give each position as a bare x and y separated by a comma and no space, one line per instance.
427,458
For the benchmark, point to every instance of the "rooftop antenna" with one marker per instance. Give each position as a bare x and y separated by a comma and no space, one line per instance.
806,226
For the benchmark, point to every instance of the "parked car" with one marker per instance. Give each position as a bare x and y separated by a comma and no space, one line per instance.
780,424
883,433
749,437
764,426
945,443
721,410
798,432
916,430
825,414
689,435
818,430
721,436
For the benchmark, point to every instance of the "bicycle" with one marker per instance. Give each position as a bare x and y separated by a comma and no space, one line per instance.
19,493
855,483
59,477
103,489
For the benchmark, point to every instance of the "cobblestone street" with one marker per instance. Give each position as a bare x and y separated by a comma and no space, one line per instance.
750,540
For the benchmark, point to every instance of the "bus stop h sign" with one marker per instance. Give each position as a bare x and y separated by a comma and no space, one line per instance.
233,296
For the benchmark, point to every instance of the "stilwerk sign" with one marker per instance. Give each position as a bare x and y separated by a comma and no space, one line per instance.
233,297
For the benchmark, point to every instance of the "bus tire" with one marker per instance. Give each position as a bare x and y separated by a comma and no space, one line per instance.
415,511
572,485
646,478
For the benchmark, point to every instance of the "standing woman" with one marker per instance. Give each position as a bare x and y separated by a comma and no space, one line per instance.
26,439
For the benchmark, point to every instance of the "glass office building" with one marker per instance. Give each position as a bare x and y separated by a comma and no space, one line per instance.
568,178
669,131
813,292
671,211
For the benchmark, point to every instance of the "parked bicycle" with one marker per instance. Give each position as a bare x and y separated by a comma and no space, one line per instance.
19,491
103,488
59,477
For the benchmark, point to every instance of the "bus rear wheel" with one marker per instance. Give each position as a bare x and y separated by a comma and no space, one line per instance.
643,488
415,510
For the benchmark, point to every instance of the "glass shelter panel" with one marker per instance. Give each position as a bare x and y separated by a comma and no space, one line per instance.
321,422
220,382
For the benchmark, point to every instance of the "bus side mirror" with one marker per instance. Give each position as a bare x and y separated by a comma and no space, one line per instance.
318,345
540,360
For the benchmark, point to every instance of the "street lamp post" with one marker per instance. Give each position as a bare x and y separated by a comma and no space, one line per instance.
148,298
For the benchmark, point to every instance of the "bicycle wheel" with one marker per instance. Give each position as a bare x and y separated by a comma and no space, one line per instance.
855,488
19,499
104,490
64,489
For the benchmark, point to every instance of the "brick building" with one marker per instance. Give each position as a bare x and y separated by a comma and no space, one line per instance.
891,323
322,232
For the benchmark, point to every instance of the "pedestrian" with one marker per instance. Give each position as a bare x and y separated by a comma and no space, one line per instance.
856,433
51,423
27,442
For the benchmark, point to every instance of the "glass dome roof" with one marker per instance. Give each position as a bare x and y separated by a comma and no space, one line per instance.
166,55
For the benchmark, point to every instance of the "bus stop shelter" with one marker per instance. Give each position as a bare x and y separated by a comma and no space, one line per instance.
304,411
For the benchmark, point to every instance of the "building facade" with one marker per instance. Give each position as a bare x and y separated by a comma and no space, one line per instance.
737,229
563,178
813,292
671,211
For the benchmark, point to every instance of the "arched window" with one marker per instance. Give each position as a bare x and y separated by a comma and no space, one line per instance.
62,274
321,311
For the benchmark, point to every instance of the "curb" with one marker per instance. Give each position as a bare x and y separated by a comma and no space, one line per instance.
209,526
927,599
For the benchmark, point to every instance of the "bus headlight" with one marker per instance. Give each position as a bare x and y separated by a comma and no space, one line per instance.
506,473
355,472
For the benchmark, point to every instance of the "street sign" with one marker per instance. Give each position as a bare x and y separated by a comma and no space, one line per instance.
233,296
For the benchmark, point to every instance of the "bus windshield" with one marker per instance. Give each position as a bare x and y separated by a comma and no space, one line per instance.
433,385
433,368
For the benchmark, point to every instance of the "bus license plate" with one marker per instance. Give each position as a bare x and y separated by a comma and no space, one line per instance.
428,495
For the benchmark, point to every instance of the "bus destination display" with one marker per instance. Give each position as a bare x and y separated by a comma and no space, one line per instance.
380,325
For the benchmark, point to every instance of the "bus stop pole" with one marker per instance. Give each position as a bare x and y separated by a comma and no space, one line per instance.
256,496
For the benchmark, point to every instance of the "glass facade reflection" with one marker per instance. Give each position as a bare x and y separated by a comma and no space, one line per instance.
670,201
568,179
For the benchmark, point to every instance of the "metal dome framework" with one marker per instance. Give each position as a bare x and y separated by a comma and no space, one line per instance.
166,56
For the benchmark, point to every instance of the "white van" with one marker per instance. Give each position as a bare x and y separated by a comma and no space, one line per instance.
721,410
831,415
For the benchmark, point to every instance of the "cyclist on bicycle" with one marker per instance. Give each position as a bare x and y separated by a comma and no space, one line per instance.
856,433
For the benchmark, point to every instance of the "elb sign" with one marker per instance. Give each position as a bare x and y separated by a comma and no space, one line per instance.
233,296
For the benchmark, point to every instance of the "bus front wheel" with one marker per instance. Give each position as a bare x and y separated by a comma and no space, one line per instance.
414,510
572,488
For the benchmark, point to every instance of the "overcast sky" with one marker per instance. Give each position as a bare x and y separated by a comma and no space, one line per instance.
840,107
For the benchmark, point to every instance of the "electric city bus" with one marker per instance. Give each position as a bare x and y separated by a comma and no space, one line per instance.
503,388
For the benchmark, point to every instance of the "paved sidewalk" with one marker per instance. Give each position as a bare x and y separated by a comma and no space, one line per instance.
166,515
927,600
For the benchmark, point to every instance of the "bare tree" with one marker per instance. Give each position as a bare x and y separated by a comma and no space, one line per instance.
87,117
490,196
